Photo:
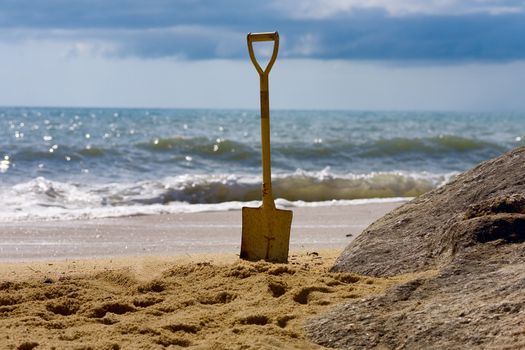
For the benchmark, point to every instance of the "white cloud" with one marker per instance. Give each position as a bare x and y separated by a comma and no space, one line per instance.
319,9
306,45
91,48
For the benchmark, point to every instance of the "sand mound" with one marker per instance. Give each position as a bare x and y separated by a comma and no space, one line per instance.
200,304
472,232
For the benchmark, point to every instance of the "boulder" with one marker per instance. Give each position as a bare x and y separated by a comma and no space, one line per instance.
469,237
418,236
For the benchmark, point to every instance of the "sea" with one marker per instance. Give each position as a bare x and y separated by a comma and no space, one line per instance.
82,163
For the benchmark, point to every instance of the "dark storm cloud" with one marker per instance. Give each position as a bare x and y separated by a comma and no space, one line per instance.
216,29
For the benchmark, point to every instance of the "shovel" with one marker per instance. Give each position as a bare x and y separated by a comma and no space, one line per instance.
265,230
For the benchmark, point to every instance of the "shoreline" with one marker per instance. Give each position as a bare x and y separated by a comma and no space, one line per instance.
176,234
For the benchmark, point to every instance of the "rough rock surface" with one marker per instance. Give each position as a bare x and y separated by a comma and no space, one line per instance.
414,237
471,232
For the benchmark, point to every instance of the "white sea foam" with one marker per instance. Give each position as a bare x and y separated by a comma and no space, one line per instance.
57,213
44,199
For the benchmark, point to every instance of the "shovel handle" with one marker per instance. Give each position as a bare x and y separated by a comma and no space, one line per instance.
268,202
269,36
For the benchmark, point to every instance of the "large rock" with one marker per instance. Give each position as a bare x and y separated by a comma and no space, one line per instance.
418,235
470,235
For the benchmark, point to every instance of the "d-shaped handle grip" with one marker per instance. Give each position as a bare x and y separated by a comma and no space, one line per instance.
271,36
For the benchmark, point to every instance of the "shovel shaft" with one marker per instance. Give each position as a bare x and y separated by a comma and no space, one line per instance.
267,194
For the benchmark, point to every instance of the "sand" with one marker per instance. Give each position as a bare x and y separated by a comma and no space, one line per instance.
194,298
175,234
200,302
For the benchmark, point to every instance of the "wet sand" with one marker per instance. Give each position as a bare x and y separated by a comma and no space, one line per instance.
175,234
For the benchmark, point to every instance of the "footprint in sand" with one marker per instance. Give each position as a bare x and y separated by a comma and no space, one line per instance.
303,294
259,320
155,286
182,327
167,341
219,298
64,307
115,308
277,288
283,320
27,346
146,301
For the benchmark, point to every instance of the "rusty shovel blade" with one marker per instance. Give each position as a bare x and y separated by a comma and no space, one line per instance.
265,234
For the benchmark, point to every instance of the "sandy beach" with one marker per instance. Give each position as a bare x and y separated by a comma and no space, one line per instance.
179,282
204,302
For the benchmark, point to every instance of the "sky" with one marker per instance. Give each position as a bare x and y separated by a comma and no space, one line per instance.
333,54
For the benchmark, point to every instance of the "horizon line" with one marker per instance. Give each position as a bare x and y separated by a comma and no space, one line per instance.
292,109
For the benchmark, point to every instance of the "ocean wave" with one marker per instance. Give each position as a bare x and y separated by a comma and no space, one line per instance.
41,198
450,146
202,146
434,146
317,148
60,152
294,154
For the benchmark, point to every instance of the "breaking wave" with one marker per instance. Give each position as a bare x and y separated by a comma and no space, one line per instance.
41,198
